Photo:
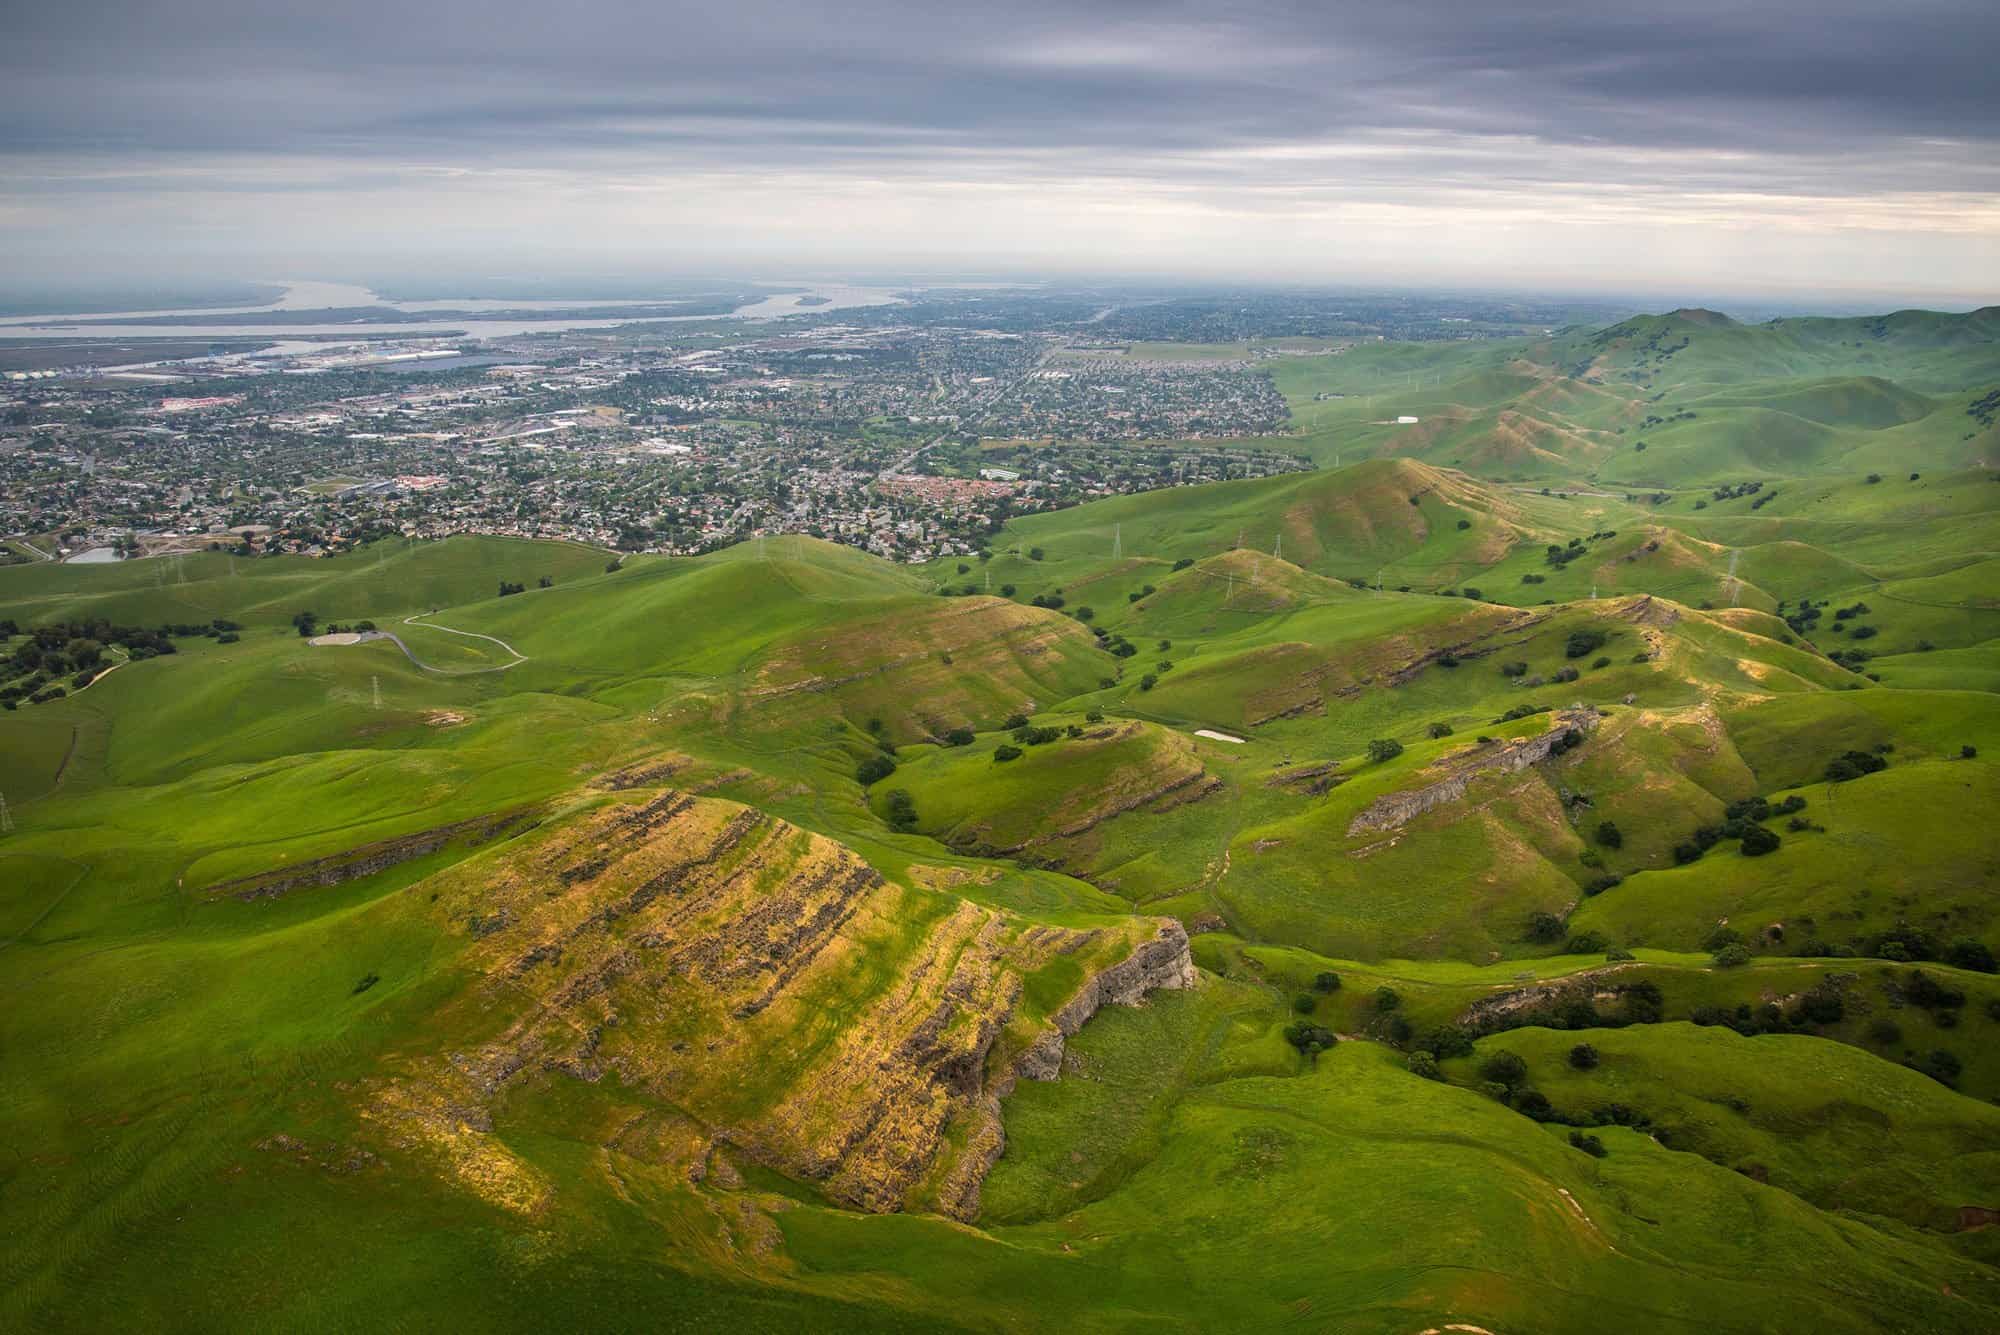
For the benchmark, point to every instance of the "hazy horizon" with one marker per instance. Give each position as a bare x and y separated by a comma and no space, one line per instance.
1802,153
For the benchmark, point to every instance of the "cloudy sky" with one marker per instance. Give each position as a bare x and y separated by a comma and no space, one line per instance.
1692,146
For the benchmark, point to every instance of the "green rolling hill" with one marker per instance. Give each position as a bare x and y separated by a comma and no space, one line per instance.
1687,399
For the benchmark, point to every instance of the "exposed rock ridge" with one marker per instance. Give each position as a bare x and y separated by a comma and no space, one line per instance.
1163,962
1396,809
697,950
1337,681
1490,1012
1476,647
1177,779
354,863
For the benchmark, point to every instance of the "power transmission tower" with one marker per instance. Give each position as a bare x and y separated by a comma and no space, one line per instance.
377,683
1378,578
1278,548
1117,541
6,821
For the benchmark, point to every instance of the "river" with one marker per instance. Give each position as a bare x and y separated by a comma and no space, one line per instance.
306,295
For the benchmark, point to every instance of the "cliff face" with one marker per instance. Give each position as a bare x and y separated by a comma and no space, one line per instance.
1163,962
1397,809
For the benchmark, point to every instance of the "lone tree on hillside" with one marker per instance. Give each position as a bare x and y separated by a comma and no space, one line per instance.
1504,1068
902,810
1609,835
1384,748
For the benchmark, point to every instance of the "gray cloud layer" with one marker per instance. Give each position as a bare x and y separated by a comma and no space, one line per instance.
1821,130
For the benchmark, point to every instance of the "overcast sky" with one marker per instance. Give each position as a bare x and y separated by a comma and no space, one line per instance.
1678,146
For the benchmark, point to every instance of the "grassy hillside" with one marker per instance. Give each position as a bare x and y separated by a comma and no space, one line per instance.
387,578
1123,933
1681,400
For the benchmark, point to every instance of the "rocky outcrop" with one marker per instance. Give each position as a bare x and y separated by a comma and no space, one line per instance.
1503,1009
354,863
1168,773
1397,809
1972,1217
1314,780
762,981
1163,962
1476,647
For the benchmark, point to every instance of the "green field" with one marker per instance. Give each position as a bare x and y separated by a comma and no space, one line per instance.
714,943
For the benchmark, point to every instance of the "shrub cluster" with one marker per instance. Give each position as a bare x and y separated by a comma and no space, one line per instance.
76,649
1852,765
1584,643
1741,822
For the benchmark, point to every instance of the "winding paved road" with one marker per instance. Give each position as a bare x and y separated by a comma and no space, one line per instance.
364,637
